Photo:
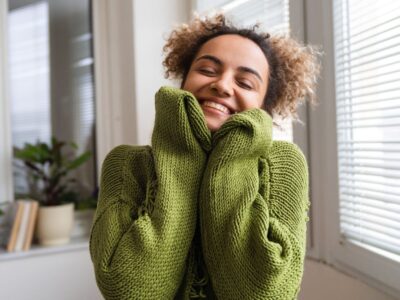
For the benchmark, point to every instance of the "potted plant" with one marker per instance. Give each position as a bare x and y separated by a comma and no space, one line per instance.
48,167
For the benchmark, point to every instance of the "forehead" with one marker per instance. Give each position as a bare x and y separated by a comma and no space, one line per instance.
236,50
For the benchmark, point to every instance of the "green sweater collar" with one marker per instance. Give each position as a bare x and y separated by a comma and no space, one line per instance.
175,118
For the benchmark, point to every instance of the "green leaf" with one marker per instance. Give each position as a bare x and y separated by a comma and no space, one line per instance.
38,153
68,197
28,153
43,153
78,161
86,203
49,166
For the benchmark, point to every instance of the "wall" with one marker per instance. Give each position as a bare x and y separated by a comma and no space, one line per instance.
321,281
62,276
153,20
129,37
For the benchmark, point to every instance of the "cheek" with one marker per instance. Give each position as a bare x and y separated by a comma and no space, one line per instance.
189,84
260,102
252,100
195,81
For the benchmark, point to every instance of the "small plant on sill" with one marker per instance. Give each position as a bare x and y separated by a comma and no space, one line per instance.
48,168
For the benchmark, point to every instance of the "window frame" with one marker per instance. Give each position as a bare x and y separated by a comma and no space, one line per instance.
375,270
6,182
109,130
114,74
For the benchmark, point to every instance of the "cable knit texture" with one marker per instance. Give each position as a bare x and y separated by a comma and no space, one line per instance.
200,216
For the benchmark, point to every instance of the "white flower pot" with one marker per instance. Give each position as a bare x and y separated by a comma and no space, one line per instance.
54,224
83,222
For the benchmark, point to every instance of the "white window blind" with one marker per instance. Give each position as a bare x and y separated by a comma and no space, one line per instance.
273,16
367,62
204,6
29,69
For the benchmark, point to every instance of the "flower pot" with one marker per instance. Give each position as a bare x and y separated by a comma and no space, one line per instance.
83,221
54,224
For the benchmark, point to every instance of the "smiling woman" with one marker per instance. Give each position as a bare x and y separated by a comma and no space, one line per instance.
292,68
228,75
214,208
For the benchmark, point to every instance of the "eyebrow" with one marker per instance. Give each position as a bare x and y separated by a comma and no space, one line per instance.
241,68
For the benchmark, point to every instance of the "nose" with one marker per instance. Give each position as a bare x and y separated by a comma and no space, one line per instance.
222,85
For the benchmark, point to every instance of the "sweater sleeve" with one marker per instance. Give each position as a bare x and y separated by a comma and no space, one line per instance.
146,215
253,205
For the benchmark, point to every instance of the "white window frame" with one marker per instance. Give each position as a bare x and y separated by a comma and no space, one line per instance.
6,183
375,270
114,76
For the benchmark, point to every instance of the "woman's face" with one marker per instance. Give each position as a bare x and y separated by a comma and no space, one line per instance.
229,74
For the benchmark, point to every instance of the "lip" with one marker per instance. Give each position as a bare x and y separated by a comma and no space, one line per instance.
219,101
214,111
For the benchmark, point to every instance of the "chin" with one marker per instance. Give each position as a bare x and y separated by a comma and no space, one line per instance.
213,126
214,122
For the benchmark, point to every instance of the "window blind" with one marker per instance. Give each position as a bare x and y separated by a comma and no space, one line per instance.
273,16
29,69
205,6
367,72
29,84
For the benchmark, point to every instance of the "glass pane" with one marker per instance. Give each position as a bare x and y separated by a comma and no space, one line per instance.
50,65
367,55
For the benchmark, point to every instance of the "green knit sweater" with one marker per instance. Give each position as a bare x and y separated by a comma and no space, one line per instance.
201,216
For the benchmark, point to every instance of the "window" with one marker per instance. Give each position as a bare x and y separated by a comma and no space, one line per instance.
367,73
29,75
273,16
29,79
49,70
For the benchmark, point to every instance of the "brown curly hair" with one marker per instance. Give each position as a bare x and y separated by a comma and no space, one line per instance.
294,68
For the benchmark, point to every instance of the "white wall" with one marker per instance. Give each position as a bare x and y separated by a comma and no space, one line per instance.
62,276
321,281
153,21
129,37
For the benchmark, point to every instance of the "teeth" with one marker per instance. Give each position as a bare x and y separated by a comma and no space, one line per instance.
218,106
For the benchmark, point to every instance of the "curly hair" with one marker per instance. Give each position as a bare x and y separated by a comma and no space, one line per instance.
294,68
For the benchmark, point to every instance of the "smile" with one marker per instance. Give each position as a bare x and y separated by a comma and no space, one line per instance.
217,106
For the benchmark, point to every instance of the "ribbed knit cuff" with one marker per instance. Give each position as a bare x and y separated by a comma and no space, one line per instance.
180,121
248,134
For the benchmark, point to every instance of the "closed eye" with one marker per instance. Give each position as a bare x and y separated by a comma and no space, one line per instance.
245,85
208,72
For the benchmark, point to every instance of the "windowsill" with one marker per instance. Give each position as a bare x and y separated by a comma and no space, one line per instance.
76,244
